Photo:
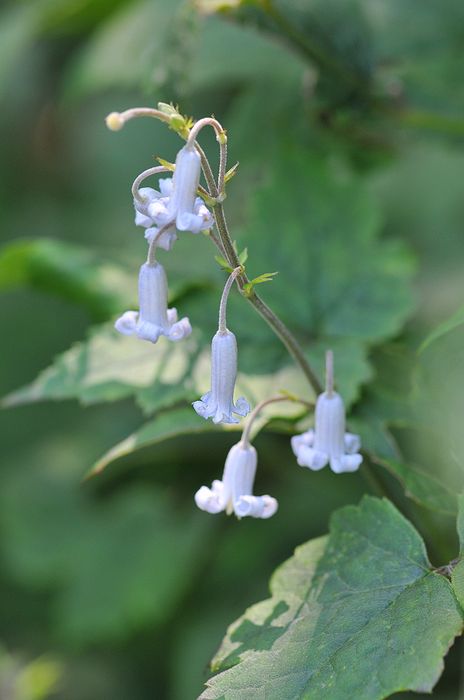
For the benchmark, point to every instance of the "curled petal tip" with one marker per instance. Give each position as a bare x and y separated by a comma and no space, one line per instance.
180,330
127,323
208,500
242,407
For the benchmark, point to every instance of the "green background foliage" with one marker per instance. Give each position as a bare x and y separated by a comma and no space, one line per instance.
346,119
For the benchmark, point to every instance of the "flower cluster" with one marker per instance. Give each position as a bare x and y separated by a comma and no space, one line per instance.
176,207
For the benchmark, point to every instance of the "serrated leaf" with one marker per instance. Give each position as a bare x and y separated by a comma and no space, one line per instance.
340,277
67,271
111,366
184,421
359,614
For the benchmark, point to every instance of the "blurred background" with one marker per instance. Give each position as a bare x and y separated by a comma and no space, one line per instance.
346,117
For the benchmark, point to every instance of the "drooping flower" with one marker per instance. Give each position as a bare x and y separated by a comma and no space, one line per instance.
328,443
218,403
155,210
154,318
234,493
151,209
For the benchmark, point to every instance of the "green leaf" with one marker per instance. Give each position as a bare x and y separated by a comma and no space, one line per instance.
422,487
164,426
339,282
450,324
67,271
183,421
340,278
265,277
457,576
111,366
359,614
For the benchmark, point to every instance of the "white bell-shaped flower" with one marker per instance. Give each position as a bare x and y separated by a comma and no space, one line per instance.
156,210
218,403
185,183
328,443
151,212
234,493
154,318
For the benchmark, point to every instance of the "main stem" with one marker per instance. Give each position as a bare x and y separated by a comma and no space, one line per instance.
279,328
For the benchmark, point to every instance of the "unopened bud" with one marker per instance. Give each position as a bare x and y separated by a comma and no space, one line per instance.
114,121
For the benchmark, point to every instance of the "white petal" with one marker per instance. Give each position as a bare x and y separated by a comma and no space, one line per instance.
165,185
150,233
221,416
309,457
347,463
208,500
159,212
352,443
148,331
179,330
298,441
204,408
184,183
167,239
126,324
172,316
190,222
143,220
242,407
255,506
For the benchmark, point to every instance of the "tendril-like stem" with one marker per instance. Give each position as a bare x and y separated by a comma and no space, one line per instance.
225,295
143,176
329,373
259,407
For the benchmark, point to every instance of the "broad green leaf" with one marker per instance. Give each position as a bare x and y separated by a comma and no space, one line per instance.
183,421
359,614
111,366
422,487
164,426
337,277
67,271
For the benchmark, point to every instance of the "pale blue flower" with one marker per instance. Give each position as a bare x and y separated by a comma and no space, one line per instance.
234,493
154,318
